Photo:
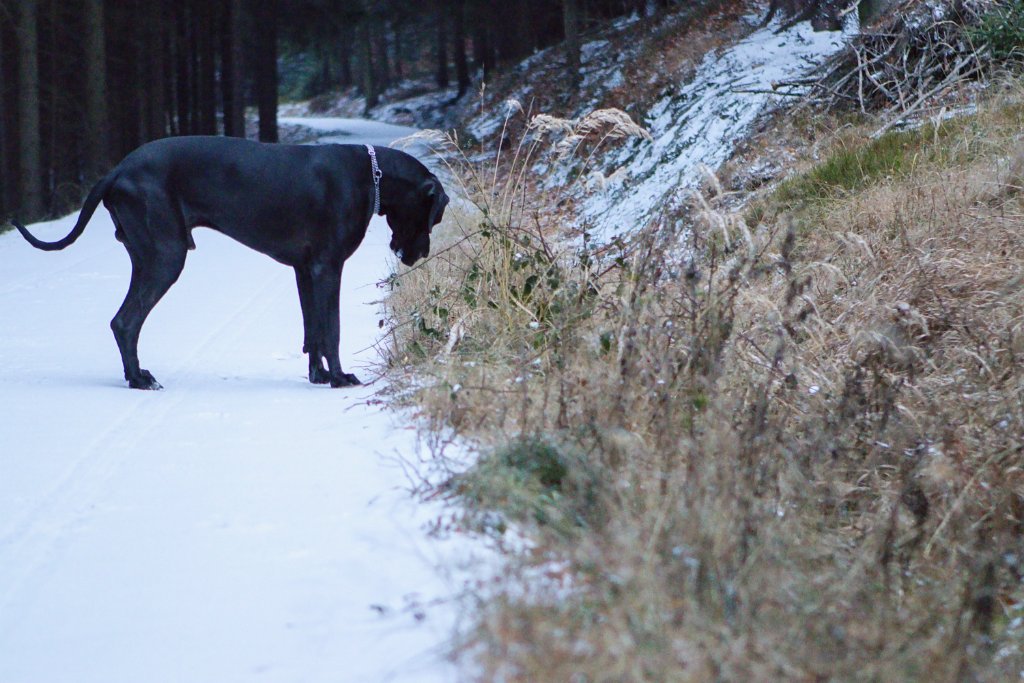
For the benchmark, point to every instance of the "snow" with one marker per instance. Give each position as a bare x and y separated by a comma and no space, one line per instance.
349,131
703,121
430,110
488,123
602,67
411,102
593,49
241,524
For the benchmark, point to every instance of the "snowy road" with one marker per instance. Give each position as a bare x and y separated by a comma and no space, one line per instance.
240,525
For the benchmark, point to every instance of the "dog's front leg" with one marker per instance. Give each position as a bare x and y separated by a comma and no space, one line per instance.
326,294
311,343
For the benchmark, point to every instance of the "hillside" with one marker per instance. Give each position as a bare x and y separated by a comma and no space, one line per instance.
743,373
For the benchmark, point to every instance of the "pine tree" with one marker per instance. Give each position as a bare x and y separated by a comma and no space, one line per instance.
266,68
29,136
96,139
571,16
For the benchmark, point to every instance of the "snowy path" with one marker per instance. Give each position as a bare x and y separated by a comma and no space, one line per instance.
240,525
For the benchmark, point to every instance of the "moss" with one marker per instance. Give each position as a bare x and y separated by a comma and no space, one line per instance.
534,458
533,479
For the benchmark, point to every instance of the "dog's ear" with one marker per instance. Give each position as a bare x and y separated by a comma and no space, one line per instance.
438,200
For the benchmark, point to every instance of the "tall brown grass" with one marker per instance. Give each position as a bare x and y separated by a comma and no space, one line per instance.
783,451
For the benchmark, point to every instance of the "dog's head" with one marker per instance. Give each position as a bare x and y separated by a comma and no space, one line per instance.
411,221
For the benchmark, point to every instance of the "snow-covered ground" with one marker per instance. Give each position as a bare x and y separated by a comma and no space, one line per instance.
240,525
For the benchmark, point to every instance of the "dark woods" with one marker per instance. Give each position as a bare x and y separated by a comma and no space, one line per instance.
83,82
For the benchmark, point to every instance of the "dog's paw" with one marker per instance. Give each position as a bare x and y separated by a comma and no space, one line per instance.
319,376
346,379
145,381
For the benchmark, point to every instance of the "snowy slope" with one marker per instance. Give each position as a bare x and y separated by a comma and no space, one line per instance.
702,123
240,525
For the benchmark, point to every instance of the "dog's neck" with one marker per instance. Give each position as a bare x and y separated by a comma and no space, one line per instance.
377,175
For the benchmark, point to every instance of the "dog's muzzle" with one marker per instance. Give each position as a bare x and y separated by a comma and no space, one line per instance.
406,257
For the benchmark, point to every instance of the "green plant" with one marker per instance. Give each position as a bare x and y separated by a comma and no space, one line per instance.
851,168
533,480
1002,30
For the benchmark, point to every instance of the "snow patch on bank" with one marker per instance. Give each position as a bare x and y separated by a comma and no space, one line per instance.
704,121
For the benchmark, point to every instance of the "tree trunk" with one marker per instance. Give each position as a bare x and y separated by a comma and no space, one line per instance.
441,76
195,84
325,79
49,153
155,51
378,33
173,125
5,150
182,76
29,138
396,60
369,79
483,45
513,39
571,19
125,78
345,41
525,31
231,70
206,25
95,67
266,68
459,46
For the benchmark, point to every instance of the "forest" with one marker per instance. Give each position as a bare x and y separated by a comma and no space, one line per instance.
83,82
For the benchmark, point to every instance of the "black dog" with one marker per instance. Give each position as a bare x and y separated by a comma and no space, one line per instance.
307,207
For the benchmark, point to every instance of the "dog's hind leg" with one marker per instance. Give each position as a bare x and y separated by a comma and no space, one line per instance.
155,267
310,327
150,281
326,292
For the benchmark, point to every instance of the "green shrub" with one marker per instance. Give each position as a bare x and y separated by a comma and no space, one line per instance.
536,459
533,480
1002,30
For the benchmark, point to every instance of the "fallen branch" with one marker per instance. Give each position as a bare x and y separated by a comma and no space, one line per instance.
946,82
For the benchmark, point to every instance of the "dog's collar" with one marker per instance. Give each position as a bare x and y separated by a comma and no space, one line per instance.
377,175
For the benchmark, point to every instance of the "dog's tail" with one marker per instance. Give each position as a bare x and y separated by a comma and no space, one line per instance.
91,202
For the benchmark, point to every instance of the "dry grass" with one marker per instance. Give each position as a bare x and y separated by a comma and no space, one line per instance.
785,451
